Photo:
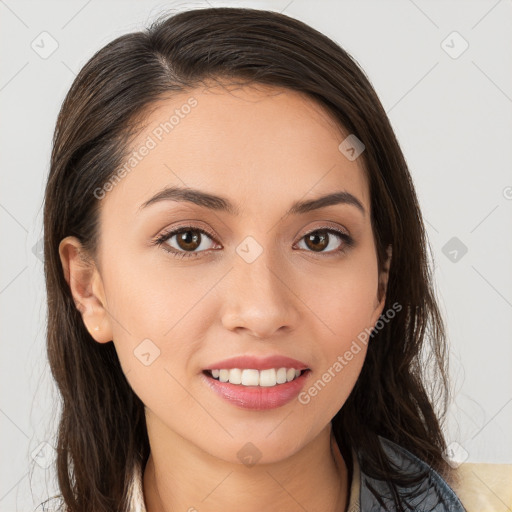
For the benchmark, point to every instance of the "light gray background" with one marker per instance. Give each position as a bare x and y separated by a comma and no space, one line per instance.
452,117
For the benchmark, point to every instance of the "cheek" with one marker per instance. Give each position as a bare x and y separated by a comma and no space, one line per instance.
328,388
158,321
156,331
345,309
150,295
343,296
343,301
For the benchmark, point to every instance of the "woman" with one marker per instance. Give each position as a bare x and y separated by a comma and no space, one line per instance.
238,283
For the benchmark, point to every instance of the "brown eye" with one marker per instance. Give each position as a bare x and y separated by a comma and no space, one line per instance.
321,239
318,240
189,241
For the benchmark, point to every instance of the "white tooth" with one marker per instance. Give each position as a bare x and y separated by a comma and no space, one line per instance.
268,377
290,374
235,376
250,377
281,376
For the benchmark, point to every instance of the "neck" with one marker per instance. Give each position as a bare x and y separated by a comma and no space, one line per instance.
179,476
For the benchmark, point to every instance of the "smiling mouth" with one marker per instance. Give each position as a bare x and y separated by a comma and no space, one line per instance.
249,377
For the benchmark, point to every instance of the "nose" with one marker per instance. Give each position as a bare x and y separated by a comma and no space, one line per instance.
259,299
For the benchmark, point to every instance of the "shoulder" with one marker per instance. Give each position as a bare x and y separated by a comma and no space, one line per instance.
482,487
431,494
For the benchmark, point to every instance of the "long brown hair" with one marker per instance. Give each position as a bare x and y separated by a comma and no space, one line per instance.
399,395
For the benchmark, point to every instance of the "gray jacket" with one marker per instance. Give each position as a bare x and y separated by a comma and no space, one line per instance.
433,494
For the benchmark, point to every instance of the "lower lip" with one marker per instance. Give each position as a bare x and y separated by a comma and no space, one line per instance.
258,397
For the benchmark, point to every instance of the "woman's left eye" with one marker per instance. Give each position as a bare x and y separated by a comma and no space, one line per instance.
323,239
190,241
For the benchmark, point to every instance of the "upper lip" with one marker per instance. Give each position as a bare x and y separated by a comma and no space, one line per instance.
258,363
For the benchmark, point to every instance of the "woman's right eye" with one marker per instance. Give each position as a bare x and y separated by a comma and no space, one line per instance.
184,241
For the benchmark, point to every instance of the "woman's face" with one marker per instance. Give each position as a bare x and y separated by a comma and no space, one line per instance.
258,279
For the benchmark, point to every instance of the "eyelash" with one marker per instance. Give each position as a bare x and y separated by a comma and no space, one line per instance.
348,241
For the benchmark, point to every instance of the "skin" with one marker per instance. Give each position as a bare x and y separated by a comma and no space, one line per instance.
262,148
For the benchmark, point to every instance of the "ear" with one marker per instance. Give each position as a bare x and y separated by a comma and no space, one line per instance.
86,287
382,286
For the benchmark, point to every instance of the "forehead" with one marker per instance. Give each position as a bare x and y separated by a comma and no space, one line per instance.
262,146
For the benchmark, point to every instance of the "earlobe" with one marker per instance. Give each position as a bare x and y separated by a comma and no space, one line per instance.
86,287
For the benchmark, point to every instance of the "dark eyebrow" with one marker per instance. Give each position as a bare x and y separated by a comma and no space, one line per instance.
219,203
